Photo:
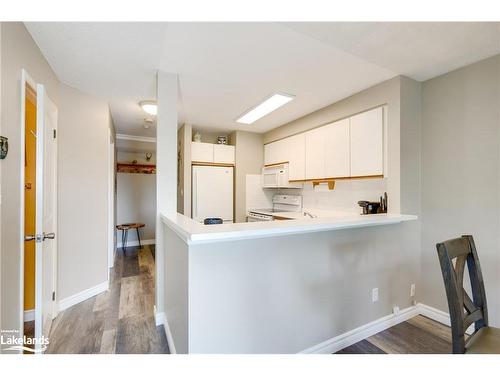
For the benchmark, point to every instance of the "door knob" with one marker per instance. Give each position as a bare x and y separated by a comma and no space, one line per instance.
49,236
29,237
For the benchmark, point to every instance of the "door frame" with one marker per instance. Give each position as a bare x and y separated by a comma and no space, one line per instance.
111,202
25,80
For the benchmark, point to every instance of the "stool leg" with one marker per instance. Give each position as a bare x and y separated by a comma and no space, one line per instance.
123,240
126,238
139,237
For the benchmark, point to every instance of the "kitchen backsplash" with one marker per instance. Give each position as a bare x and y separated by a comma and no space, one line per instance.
345,196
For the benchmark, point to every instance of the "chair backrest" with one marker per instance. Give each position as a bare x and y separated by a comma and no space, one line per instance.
453,254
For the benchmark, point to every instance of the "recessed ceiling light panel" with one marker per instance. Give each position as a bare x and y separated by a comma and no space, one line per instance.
150,107
267,106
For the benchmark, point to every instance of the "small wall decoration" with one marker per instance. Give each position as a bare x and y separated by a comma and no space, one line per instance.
136,168
4,147
197,137
222,140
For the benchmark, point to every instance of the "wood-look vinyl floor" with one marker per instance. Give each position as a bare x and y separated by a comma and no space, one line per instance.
120,320
419,335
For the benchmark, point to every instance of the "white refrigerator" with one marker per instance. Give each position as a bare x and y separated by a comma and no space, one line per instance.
212,193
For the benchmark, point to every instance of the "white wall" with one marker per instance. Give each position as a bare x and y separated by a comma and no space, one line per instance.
18,51
128,157
136,203
166,171
83,192
249,159
461,174
184,135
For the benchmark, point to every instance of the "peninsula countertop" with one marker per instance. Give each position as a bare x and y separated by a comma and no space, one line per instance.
193,232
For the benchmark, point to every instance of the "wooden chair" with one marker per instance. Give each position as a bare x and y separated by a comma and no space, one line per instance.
464,311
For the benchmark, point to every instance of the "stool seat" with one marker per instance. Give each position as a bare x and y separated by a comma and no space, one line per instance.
125,228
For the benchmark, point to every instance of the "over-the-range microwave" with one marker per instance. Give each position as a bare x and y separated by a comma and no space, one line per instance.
276,176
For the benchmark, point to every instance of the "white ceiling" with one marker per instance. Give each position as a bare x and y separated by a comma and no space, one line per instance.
226,68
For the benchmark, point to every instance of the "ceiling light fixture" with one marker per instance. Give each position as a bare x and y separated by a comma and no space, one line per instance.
267,106
150,107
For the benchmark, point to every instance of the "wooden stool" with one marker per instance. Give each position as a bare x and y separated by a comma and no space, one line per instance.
125,228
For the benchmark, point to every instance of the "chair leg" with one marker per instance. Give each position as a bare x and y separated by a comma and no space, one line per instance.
139,237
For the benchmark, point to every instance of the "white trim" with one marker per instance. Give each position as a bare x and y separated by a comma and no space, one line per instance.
111,198
439,316
136,243
160,319
351,337
82,296
126,137
29,315
434,314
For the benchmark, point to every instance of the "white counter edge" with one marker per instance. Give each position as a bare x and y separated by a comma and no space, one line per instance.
193,232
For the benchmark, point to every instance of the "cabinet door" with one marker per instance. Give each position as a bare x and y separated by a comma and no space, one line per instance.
337,150
367,146
276,152
315,153
203,152
296,148
268,153
224,154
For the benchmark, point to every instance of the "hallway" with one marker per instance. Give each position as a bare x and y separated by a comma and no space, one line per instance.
120,320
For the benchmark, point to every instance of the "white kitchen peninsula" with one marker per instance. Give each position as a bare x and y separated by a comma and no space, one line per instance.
282,286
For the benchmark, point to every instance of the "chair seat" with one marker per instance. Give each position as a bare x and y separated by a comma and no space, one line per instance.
484,341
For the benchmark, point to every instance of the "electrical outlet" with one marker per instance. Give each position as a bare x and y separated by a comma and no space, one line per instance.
395,310
412,290
374,294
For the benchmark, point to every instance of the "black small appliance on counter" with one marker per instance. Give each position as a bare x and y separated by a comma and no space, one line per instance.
370,208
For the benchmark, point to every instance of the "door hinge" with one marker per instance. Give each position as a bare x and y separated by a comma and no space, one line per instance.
53,296
55,133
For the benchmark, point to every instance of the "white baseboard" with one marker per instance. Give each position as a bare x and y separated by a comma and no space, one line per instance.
160,318
29,315
82,296
136,243
439,316
351,337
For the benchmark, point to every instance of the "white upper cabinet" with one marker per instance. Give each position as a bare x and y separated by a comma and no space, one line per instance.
276,152
337,149
202,152
296,149
223,154
353,147
315,153
212,153
367,143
